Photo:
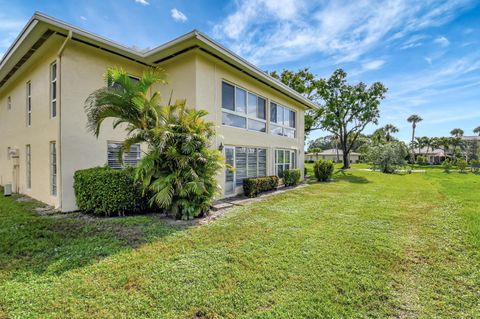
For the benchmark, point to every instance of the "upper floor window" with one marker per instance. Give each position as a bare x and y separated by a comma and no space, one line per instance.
282,120
133,79
243,109
29,103
53,89
9,103
130,158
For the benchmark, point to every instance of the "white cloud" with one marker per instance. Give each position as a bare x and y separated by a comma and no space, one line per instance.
274,31
429,60
177,15
83,18
442,41
142,2
373,65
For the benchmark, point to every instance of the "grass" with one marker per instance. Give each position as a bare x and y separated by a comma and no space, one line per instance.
365,245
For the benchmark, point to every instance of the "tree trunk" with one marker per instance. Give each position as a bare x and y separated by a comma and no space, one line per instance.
346,160
413,145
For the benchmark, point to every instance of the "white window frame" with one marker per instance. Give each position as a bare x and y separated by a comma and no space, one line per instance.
245,115
53,168
28,165
53,83
29,103
234,147
283,126
9,103
292,154
119,144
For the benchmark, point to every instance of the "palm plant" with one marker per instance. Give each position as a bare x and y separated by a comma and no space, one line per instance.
456,140
414,119
178,168
444,143
389,130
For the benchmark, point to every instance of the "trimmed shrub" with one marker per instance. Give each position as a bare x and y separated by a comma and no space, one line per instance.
291,177
106,191
254,186
323,170
388,157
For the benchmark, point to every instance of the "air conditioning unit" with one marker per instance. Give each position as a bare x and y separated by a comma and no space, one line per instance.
7,190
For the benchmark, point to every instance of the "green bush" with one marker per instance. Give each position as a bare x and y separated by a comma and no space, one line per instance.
291,177
254,186
447,165
388,157
462,165
323,170
106,191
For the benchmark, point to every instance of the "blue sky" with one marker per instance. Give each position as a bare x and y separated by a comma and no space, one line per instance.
426,52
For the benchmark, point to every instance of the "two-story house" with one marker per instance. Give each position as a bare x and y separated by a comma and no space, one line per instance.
52,67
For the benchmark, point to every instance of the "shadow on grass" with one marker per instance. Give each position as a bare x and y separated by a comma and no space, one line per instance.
345,176
34,244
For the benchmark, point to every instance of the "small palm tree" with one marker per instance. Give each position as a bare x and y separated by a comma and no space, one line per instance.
178,169
477,130
414,119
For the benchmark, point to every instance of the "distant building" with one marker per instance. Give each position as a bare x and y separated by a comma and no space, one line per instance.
435,156
333,155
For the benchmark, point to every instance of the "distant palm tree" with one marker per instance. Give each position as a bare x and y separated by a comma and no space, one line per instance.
414,119
477,130
390,129
456,140
457,132
444,143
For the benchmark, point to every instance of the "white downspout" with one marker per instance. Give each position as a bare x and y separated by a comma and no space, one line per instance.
59,114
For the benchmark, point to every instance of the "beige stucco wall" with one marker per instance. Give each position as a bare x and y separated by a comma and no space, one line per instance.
83,69
209,76
195,76
14,132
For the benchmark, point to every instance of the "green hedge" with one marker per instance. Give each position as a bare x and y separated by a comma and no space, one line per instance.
323,170
291,177
106,191
254,186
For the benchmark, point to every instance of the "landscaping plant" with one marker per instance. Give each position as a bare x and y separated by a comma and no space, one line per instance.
179,167
447,165
388,157
256,185
107,191
323,170
462,165
291,177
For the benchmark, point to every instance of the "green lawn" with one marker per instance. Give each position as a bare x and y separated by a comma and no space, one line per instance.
366,245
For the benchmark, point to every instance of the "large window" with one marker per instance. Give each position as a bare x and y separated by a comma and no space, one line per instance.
130,158
284,159
243,109
29,103
247,161
53,89
133,79
28,165
53,168
282,120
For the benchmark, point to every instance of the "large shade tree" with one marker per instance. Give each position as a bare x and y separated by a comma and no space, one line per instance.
178,168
